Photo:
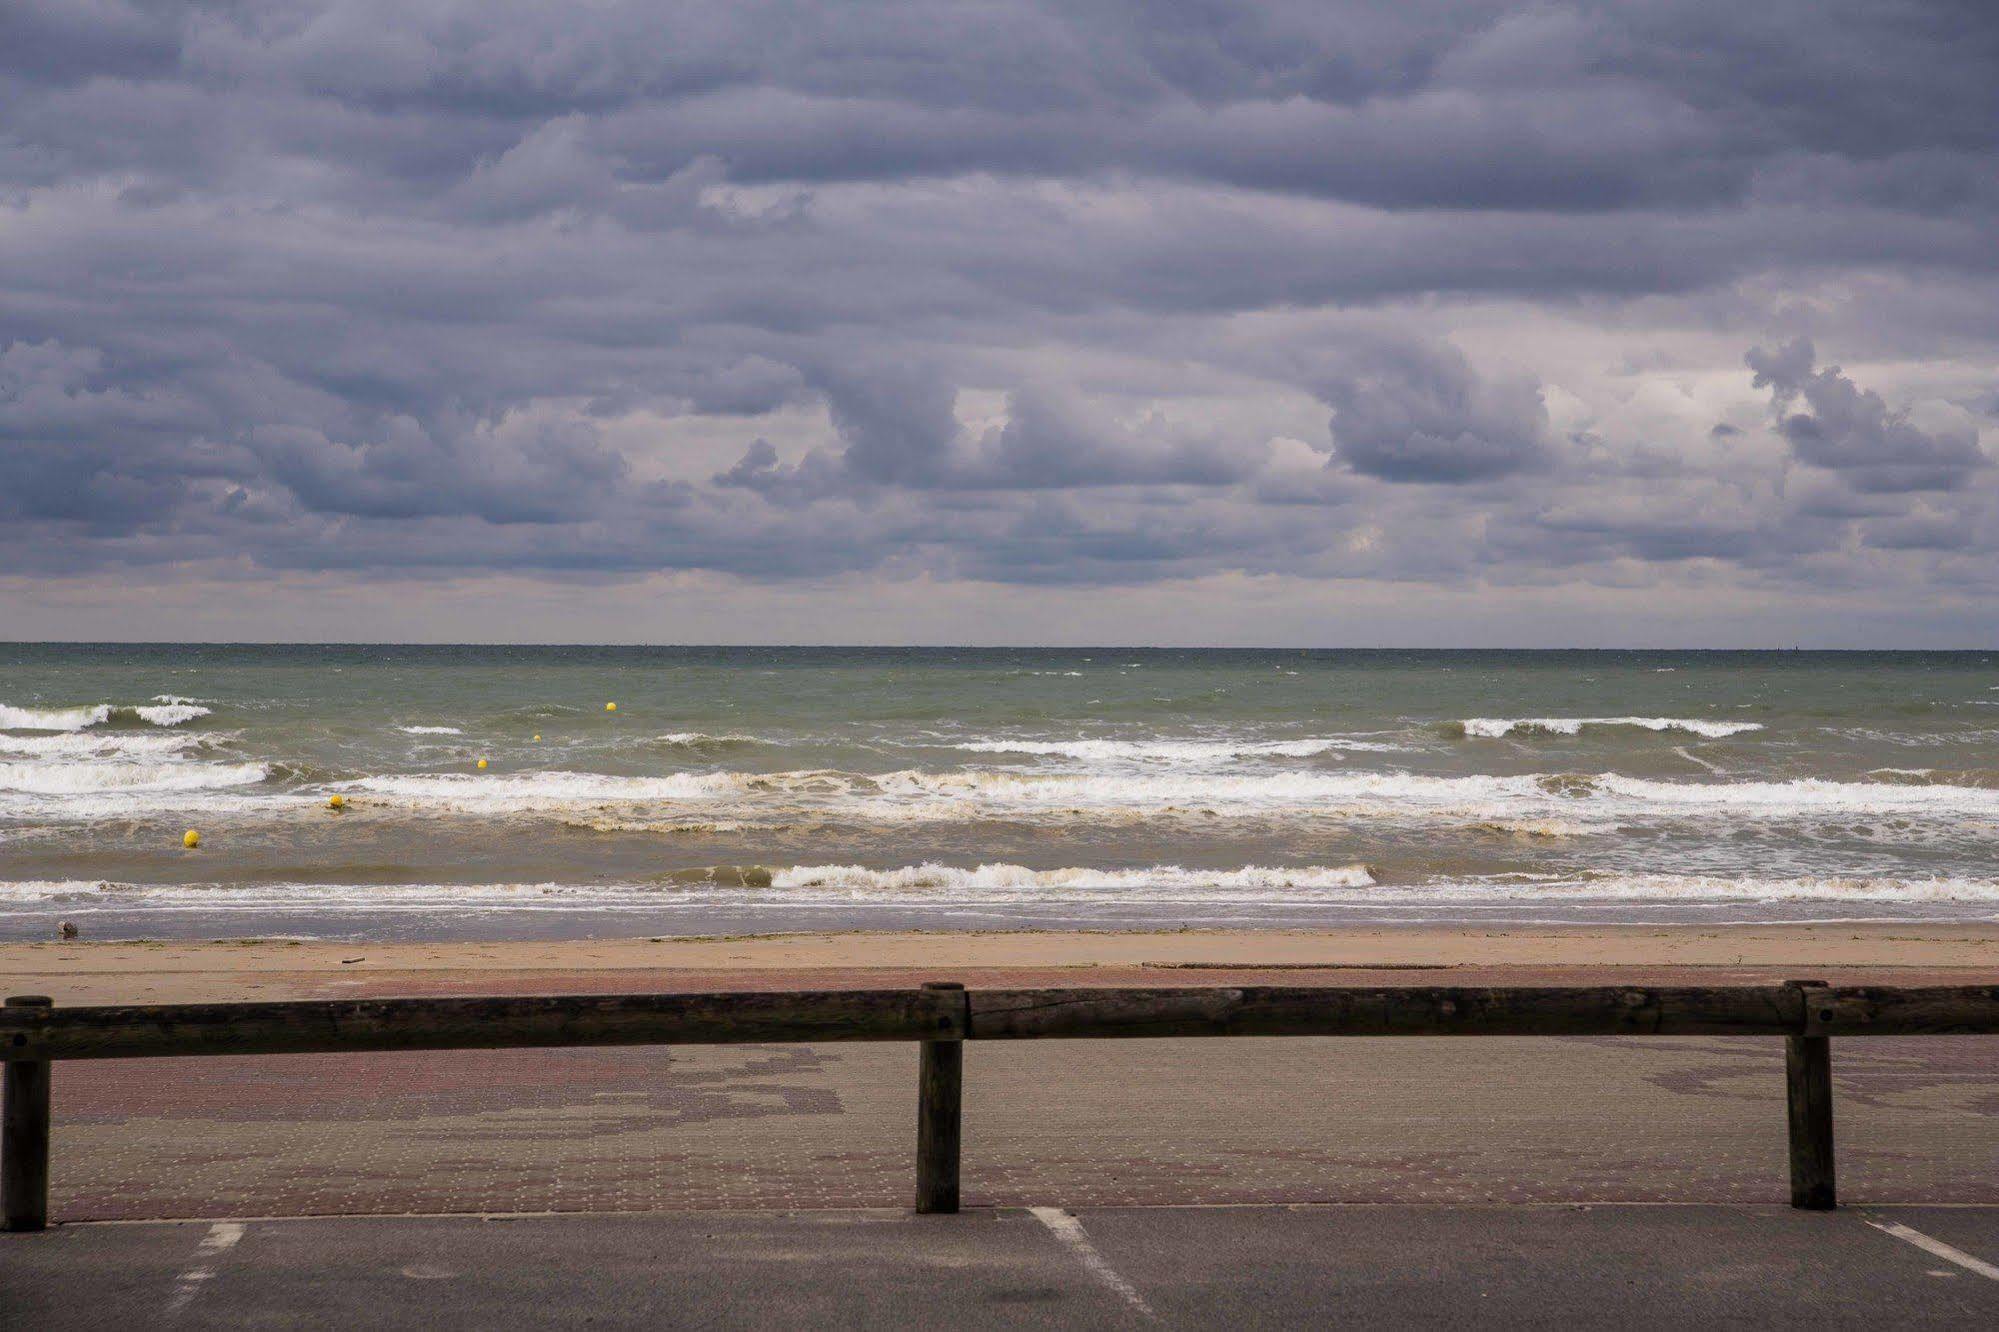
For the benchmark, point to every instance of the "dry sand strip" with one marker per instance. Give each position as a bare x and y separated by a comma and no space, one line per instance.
164,972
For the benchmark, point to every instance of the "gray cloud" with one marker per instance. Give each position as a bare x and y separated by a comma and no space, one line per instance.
1852,431
1422,414
1027,292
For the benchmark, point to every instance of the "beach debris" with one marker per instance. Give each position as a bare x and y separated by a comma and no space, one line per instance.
482,764
67,930
610,707
350,961
190,839
336,801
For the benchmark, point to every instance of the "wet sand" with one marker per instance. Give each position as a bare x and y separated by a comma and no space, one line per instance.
85,972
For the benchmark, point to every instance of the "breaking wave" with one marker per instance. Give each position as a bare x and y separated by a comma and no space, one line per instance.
1492,728
97,714
1572,799
171,714
70,778
99,744
53,719
1174,751
986,878
700,742
430,730
1351,887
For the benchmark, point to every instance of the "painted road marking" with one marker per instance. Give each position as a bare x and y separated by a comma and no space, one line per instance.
1070,1231
1948,1253
220,1239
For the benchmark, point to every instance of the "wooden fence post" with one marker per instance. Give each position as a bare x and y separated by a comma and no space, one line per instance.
1808,1089
940,1097
24,1135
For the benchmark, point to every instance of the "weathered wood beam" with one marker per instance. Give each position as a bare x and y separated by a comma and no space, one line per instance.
939,1104
1930,1010
1388,1011
1808,1102
313,1026
24,1134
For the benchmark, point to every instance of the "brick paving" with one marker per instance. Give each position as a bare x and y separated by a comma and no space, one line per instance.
1069,1123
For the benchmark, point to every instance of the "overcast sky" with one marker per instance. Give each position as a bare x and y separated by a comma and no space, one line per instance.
1281,323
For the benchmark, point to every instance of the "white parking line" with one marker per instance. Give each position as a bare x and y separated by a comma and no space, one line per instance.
1070,1231
220,1239
1948,1253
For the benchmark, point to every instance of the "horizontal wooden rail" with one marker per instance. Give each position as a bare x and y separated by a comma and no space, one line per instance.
34,1034
1771,1010
320,1026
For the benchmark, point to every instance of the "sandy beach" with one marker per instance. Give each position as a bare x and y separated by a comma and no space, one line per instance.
221,970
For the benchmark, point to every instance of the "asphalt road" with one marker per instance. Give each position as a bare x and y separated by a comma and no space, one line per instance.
1598,1266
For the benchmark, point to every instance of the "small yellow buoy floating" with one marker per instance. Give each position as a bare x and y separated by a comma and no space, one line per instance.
336,802
482,763
537,737
610,707
190,839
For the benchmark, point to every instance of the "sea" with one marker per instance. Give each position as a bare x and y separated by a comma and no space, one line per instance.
496,793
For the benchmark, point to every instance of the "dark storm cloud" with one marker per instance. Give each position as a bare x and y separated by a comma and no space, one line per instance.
1037,292
1407,413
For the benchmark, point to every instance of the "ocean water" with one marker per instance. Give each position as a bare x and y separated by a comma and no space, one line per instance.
751,789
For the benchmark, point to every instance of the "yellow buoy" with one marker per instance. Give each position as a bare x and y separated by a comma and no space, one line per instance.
336,802
610,707
537,737
190,839
482,763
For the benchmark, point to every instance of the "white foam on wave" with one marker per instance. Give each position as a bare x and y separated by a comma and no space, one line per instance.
1174,751
99,744
74,778
96,714
1802,796
1492,728
171,714
1695,889
832,886
702,740
53,719
430,730
1011,878
1577,801
551,789
800,885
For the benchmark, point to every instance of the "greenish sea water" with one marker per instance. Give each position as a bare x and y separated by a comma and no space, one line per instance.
743,789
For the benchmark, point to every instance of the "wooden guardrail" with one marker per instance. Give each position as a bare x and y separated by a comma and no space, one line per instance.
34,1034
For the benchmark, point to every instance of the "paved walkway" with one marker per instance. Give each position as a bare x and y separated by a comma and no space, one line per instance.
1299,1120
1240,1268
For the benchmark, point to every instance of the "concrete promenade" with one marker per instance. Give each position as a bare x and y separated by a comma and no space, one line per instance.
1398,1266
1076,1124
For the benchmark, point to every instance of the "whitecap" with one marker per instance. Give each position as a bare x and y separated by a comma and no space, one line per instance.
1173,751
68,778
171,714
1491,728
53,719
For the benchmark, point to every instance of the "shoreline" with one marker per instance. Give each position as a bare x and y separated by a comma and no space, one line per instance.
220,970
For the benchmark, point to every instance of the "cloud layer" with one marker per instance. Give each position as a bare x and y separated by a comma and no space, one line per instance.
1440,296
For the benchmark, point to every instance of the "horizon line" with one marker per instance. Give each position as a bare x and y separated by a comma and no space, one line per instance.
939,647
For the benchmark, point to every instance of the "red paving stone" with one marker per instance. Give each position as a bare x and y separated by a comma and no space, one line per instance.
1050,1122
1047,1122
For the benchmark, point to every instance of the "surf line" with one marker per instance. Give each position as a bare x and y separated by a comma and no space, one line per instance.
220,1239
1070,1231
